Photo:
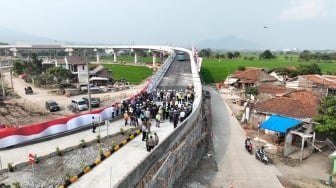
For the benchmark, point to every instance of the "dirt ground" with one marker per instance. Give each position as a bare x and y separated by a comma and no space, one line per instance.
15,109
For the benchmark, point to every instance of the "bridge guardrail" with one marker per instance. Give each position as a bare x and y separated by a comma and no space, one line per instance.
157,77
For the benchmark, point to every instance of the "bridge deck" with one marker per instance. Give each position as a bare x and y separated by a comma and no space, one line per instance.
178,76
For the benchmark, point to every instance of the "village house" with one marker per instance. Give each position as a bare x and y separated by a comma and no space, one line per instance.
78,67
250,77
268,91
320,84
301,105
288,117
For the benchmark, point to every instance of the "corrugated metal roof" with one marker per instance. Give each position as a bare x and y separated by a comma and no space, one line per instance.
279,123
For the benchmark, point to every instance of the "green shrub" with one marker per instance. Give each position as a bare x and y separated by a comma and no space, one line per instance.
10,167
58,151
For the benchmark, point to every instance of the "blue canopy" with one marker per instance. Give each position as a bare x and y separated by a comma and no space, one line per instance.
279,123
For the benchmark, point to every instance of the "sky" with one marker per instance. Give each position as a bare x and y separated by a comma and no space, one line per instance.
278,24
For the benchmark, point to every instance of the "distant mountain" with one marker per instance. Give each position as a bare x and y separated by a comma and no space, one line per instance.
13,37
228,43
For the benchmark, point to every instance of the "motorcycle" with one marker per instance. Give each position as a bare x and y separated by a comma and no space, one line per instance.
261,156
249,147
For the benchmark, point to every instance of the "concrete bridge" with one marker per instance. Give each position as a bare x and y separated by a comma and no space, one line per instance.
20,49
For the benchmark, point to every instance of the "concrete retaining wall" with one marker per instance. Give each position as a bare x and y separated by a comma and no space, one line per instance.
178,160
184,138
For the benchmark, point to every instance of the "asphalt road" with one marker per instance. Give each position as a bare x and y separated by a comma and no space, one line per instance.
178,75
236,166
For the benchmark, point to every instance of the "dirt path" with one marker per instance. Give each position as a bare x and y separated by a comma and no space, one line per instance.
35,102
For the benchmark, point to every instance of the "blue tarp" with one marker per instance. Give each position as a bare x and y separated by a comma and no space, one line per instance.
279,123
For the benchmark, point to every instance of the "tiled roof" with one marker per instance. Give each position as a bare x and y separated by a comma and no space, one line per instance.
271,89
298,104
309,101
60,61
251,75
328,80
74,60
248,74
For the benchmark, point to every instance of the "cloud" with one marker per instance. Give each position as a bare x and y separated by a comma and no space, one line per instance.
305,10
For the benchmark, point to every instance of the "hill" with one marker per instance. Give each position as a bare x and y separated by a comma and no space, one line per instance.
13,37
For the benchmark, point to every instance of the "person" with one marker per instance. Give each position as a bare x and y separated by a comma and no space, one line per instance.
94,126
144,132
156,139
142,116
158,119
126,117
247,142
261,150
149,125
182,115
151,143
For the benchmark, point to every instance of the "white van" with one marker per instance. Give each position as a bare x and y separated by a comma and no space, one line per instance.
79,104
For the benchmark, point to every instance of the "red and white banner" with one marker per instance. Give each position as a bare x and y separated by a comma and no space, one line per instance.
16,135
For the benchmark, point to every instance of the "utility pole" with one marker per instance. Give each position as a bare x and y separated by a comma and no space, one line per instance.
88,85
2,81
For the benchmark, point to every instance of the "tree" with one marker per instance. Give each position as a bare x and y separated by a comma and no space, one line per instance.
267,55
285,71
205,52
34,67
252,91
236,54
57,75
229,55
312,68
327,117
18,67
305,55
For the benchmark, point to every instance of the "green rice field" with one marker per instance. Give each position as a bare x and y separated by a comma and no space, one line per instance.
212,70
133,74
216,70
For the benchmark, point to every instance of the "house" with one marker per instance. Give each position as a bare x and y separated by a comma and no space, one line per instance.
251,77
268,91
320,84
301,105
289,117
77,65
100,71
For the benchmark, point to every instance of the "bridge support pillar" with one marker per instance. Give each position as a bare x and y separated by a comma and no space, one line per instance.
98,57
135,57
69,51
15,52
115,60
154,60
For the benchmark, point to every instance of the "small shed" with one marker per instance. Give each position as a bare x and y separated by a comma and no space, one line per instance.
289,127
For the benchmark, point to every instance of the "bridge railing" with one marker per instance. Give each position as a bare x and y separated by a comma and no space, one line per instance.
157,77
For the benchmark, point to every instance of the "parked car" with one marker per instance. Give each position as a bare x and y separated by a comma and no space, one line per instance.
94,101
79,104
28,90
52,106
84,87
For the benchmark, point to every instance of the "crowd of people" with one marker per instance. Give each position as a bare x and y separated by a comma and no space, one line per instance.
158,106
